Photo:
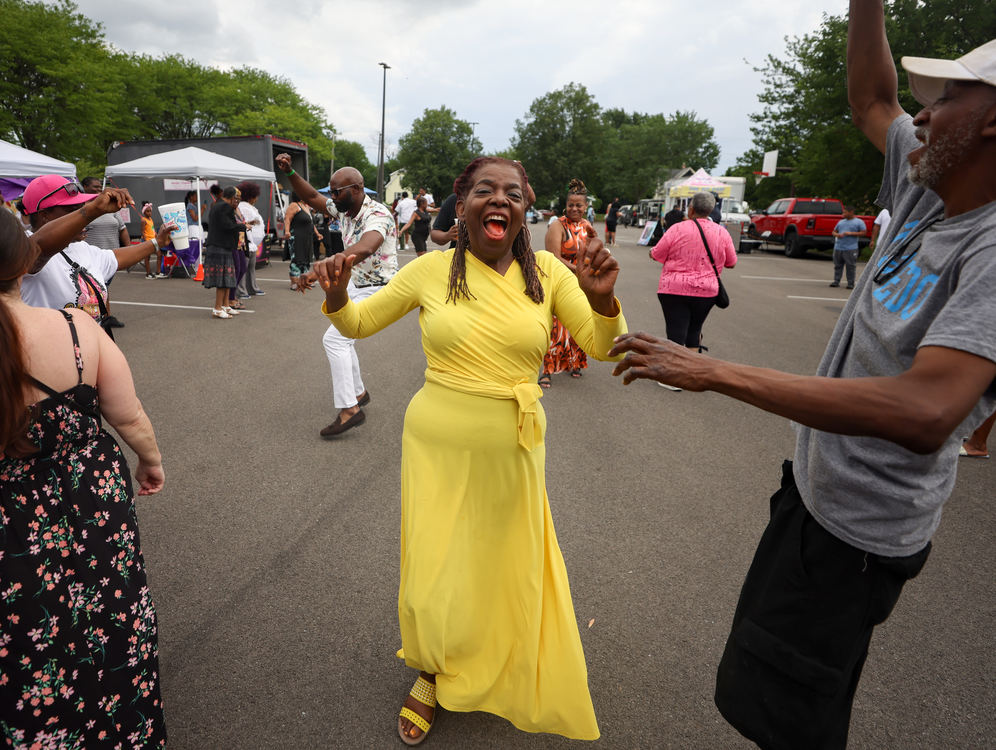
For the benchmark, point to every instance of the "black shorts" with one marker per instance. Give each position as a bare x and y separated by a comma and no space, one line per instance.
802,627
610,225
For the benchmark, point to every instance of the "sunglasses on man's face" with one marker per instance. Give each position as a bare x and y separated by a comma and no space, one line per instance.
71,188
335,191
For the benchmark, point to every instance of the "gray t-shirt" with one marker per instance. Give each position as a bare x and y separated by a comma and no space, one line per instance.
105,231
872,493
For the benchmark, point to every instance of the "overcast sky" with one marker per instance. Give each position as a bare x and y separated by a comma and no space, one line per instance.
485,61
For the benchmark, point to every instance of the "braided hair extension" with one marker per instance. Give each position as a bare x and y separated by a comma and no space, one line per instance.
521,249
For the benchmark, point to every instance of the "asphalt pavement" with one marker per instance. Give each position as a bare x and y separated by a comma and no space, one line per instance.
273,554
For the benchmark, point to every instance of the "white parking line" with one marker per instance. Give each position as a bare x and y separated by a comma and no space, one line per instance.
175,307
781,278
818,299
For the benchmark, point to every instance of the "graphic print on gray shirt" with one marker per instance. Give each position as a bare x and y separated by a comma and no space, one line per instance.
872,493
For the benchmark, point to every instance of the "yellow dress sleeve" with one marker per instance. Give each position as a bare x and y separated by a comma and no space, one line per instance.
398,298
593,332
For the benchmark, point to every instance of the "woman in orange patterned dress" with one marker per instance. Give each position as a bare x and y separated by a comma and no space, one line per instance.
564,238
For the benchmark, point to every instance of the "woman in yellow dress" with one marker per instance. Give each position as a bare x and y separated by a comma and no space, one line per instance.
484,603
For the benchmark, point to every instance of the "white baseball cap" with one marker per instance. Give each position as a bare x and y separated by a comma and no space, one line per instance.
928,76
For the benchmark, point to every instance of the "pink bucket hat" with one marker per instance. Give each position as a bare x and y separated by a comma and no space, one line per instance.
52,190
928,75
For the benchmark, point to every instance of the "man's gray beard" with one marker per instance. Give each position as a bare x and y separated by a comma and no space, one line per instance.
943,154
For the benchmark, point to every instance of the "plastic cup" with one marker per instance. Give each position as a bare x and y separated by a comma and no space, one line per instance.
176,213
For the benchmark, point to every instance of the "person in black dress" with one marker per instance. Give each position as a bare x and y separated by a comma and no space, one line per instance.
419,224
222,240
78,631
299,224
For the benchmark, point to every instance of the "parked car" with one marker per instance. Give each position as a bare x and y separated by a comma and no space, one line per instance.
532,216
801,223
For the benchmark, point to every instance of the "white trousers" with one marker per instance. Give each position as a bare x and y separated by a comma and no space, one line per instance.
347,385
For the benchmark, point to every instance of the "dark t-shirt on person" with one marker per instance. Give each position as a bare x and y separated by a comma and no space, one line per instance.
446,216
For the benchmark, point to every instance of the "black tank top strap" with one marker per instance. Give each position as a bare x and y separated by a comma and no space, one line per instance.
76,346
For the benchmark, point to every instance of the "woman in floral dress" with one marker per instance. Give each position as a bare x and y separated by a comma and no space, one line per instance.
564,238
78,652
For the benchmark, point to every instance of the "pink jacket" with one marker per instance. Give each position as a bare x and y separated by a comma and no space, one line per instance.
687,270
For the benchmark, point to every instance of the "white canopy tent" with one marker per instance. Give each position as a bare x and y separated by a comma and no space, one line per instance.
16,161
190,163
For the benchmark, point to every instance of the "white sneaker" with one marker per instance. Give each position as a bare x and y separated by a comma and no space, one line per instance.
162,275
150,276
219,314
669,387
231,311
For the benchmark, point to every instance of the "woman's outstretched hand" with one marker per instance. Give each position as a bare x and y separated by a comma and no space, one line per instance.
651,358
333,276
597,271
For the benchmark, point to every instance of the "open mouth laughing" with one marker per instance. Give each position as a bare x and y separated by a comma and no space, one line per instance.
495,225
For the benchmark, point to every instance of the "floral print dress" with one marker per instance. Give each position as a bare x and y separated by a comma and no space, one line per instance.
564,354
78,651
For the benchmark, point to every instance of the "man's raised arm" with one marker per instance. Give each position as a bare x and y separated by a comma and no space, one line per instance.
872,81
300,185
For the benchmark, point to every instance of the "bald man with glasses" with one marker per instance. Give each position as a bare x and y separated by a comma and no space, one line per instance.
369,233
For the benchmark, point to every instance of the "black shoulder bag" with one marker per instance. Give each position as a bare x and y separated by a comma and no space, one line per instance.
722,299
102,321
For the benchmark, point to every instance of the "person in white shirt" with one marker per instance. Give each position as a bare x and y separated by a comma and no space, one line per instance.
254,220
370,236
404,210
71,272
880,225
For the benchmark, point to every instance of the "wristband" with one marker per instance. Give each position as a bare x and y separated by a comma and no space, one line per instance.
291,173
155,243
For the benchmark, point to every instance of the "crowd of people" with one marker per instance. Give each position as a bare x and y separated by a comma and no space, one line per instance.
484,605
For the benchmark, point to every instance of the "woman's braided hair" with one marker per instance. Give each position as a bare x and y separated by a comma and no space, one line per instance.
521,249
576,187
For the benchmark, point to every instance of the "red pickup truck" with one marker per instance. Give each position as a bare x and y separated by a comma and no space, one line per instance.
802,223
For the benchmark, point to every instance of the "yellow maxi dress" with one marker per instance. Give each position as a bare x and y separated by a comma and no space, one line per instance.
484,602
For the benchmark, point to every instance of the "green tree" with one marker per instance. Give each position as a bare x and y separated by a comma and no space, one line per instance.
436,149
352,154
58,89
805,113
559,138
639,150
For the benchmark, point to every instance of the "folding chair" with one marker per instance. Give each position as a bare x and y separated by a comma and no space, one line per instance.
187,258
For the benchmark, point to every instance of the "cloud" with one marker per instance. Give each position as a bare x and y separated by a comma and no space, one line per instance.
487,62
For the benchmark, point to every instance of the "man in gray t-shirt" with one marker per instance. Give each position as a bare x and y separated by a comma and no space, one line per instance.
107,232
913,355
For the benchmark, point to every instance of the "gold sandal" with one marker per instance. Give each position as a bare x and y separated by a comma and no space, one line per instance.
425,693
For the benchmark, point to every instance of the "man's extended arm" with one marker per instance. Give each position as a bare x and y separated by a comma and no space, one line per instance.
300,185
872,81
917,409
131,254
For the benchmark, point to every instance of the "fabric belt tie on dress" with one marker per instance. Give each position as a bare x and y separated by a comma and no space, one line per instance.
525,393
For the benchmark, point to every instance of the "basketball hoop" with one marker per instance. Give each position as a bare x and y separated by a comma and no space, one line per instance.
758,176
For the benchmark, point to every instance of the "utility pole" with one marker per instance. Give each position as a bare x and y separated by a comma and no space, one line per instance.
380,156
472,126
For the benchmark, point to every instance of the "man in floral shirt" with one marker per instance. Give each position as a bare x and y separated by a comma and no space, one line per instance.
369,233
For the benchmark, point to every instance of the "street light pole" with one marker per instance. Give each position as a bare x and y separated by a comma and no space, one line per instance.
380,156
472,126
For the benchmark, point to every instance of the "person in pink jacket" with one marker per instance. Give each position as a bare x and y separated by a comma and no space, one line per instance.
688,283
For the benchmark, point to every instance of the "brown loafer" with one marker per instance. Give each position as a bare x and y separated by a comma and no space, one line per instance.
338,427
364,399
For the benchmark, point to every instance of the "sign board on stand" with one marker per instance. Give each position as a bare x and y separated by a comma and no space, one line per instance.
648,232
